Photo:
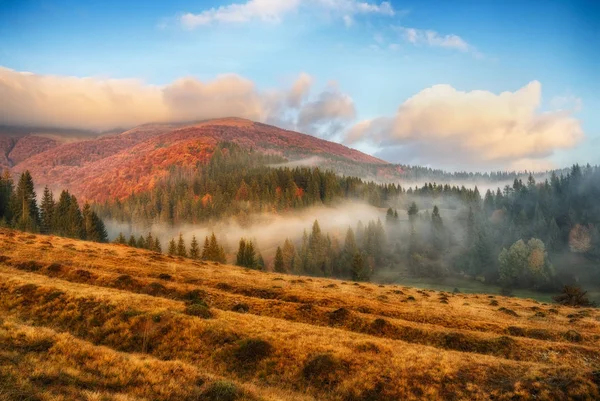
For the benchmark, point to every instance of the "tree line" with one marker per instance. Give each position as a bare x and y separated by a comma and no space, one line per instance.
19,209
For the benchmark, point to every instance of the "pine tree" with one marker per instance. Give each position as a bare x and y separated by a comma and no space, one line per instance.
47,212
157,247
206,249
141,242
61,211
288,253
241,254
120,239
194,248
75,224
412,212
132,242
181,251
149,242
6,194
278,264
93,226
24,206
359,270
172,247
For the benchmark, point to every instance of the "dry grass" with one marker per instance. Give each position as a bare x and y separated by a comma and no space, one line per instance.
239,334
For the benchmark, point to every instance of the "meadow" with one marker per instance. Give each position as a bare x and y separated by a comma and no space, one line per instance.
82,320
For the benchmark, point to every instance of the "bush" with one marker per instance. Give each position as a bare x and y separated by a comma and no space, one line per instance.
164,276
221,391
241,308
195,297
323,370
253,350
198,310
573,336
573,296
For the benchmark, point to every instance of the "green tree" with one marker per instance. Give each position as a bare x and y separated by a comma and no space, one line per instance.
132,242
278,264
194,248
47,212
24,206
157,246
172,247
121,239
181,251
359,269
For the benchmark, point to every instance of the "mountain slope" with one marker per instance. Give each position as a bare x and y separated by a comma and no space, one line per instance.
117,165
270,336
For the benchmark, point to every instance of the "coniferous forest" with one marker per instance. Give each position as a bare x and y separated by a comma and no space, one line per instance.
20,209
533,234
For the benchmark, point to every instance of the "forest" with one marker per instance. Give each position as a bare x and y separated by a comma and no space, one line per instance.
19,209
537,235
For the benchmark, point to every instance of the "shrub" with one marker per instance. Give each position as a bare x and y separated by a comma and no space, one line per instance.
30,266
493,302
241,308
339,316
253,350
573,296
195,297
323,370
221,391
573,336
164,276
516,331
508,311
198,310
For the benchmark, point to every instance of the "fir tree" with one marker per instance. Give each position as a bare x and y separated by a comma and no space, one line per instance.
141,242
132,242
24,207
181,251
120,239
172,247
157,247
47,212
278,264
194,248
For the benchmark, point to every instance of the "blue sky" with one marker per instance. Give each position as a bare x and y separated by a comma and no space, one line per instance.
377,58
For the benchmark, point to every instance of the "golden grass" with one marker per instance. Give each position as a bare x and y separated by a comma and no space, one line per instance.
278,336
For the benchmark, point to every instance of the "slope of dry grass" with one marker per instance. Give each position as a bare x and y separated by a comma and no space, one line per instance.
88,321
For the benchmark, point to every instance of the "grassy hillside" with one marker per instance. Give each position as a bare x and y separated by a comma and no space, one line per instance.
81,320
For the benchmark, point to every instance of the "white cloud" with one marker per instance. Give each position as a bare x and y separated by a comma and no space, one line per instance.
102,104
474,128
328,114
432,38
276,10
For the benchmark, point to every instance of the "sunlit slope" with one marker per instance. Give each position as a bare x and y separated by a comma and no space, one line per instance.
83,320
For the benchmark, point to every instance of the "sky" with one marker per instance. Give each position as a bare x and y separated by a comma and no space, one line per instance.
460,85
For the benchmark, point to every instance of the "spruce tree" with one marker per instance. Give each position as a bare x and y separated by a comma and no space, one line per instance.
74,218
120,239
278,264
61,212
6,192
206,249
181,251
194,248
241,254
359,269
24,206
47,212
141,242
149,242
172,247
157,247
132,242
288,253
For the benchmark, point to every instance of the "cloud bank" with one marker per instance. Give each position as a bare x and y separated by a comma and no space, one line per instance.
276,10
442,125
103,104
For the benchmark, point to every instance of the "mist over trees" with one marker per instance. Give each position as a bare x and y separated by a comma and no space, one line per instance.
19,209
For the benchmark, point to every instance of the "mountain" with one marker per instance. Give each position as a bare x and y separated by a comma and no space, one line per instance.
116,165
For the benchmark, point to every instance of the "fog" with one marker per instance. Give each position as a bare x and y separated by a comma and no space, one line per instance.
266,230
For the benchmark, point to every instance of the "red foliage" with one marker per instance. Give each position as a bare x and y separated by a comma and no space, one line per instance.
117,165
